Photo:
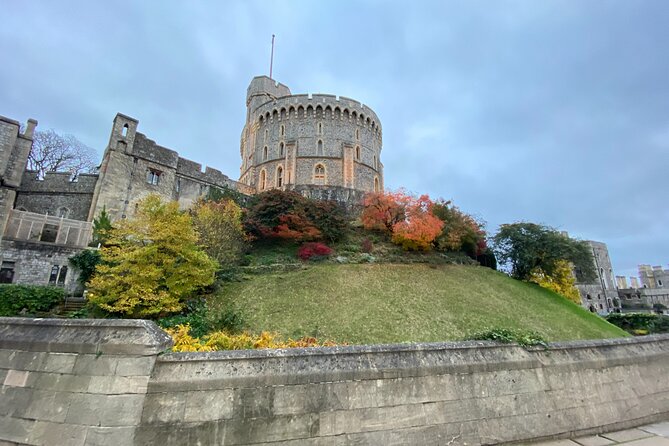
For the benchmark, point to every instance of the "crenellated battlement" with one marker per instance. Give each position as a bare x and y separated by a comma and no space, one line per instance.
330,106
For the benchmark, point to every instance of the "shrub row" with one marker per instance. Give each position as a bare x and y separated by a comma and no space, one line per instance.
28,300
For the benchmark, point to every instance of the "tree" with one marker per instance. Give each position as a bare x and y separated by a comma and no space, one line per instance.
562,281
52,152
101,227
151,263
419,228
461,231
220,230
383,210
523,247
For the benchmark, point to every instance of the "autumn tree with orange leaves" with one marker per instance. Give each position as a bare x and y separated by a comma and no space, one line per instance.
408,219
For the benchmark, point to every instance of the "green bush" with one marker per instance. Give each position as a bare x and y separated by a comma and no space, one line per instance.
521,337
28,300
640,323
203,321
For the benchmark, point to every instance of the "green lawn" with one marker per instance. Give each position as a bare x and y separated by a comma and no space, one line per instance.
388,303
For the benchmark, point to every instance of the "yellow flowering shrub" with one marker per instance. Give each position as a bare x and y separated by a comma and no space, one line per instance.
220,340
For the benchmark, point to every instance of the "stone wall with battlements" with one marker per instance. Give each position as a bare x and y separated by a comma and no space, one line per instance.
103,382
134,167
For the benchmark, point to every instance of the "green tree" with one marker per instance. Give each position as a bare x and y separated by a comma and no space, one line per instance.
525,247
220,230
562,281
101,227
151,263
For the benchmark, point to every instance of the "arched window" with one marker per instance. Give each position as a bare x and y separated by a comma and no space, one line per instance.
357,133
263,178
320,147
320,128
319,174
266,134
264,153
357,152
279,176
283,130
281,147
589,297
124,131
376,184
63,212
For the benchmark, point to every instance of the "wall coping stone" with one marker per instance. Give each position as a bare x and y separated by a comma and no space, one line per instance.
108,336
408,347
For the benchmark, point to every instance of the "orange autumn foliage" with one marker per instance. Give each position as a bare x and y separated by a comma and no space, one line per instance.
407,218
420,227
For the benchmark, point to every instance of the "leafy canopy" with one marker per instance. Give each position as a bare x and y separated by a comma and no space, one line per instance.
151,263
525,247
220,230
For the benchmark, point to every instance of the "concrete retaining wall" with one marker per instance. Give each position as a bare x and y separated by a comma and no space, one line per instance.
427,394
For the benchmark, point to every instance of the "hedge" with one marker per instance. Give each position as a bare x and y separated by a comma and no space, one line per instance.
14,299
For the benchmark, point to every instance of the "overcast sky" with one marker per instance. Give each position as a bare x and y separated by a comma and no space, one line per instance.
547,111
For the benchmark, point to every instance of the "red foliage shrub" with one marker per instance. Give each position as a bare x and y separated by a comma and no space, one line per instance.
367,246
312,250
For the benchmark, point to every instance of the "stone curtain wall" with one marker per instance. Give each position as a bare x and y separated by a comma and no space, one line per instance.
74,382
87,382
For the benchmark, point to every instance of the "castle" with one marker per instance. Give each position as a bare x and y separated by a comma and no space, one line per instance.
322,146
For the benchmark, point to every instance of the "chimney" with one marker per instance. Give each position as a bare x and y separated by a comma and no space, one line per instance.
30,129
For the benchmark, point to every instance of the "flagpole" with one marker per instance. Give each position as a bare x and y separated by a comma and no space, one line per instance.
271,60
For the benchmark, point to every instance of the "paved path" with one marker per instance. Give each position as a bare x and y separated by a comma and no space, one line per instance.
651,435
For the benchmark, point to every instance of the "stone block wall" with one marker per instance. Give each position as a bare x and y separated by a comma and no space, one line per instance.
74,382
431,394
57,192
104,383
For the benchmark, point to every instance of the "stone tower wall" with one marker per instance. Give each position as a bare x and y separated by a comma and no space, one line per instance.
14,149
296,133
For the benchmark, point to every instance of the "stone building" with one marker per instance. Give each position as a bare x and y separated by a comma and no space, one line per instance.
320,145
600,295
646,292
43,222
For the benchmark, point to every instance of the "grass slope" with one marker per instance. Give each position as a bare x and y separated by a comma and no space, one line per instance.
388,303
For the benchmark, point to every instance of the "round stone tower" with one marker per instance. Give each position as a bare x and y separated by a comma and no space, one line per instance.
320,145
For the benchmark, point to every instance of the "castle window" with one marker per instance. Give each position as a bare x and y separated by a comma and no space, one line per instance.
279,176
266,134
320,128
283,130
264,153
124,131
7,272
357,133
319,174
49,233
659,282
376,184
320,147
178,185
375,167
53,277
357,152
263,178
63,212
153,176
281,149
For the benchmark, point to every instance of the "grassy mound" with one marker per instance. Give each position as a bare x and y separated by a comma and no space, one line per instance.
389,303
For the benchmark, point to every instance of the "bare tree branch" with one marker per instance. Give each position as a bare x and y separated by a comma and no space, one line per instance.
52,152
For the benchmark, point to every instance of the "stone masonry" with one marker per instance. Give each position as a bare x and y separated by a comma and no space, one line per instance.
105,382
297,141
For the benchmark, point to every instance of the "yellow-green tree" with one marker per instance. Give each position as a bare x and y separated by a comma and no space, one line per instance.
151,263
562,280
220,230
